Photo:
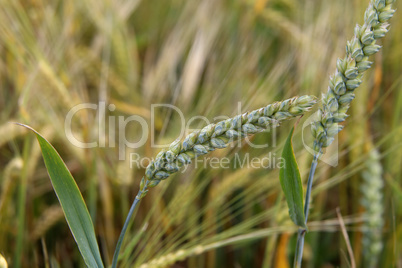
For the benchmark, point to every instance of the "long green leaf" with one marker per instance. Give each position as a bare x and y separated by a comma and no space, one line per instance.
291,183
72,203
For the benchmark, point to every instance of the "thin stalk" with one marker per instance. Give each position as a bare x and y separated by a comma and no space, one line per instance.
302,231
22,196
123,231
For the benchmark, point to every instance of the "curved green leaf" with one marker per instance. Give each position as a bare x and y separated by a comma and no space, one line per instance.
72,203
291,183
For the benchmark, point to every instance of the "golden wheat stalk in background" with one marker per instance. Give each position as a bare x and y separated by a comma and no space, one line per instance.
8,183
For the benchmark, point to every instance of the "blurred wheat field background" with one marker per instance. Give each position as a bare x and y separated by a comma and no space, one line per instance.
204,57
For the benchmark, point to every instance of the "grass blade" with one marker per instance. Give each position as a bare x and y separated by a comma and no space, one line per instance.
289,177
72,203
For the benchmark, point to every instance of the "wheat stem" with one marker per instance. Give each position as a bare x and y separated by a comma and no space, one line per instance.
125,226
302,231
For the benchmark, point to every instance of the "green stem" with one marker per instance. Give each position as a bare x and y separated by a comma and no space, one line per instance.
123,231
302,231
22,196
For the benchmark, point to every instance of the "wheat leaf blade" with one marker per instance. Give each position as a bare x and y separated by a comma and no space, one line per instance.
291,183
72,203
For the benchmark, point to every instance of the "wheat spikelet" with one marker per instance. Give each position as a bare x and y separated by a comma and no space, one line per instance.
371,200
349,72
219,135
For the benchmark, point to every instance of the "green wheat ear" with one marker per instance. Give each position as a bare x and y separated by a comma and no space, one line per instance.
349,72
210,138
336,102
372,201
219,135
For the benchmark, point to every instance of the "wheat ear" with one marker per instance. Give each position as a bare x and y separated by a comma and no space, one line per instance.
219,135
210,138
348,77
372,201
349,72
